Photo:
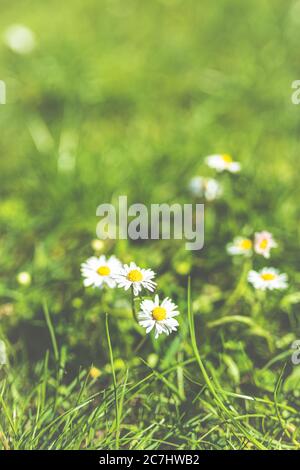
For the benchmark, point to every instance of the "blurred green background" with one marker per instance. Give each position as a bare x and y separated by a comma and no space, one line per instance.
128,97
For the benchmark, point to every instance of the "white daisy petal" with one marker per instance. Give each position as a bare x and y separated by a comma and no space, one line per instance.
88,282
150,327
234,167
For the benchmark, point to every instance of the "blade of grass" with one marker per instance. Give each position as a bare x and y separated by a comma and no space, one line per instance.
51,331
111,357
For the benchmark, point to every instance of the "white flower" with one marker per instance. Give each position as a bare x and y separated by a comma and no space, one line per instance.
19,39
158,316
100,271
263,243
221,162
136,277
268,278
205,187
240,246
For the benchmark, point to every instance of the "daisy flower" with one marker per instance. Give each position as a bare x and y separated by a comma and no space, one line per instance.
205,187
132,275
159,316
19,39
240,246
263,243
100,271
221,162
268,278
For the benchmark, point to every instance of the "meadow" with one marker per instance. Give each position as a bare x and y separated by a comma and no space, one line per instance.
128,98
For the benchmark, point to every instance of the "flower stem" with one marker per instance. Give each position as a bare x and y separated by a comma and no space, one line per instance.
239,289
133,305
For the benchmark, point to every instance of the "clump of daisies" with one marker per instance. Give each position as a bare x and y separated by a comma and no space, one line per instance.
223,162
262,244
209,188
268,278
110,272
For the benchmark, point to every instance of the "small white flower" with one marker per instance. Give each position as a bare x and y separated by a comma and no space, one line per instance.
24,278
19,39
136,277
221,162
263,243
268,278
99,271
205,187
240,246
158,316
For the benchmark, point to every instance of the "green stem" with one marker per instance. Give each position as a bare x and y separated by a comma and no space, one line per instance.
133,306
141,343
239,290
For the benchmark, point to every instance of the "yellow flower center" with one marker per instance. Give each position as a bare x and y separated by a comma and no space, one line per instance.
227,158
246,244
135,275
268,276
159,313
263,244
103,271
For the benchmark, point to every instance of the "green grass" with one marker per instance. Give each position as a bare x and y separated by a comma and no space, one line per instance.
135,94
